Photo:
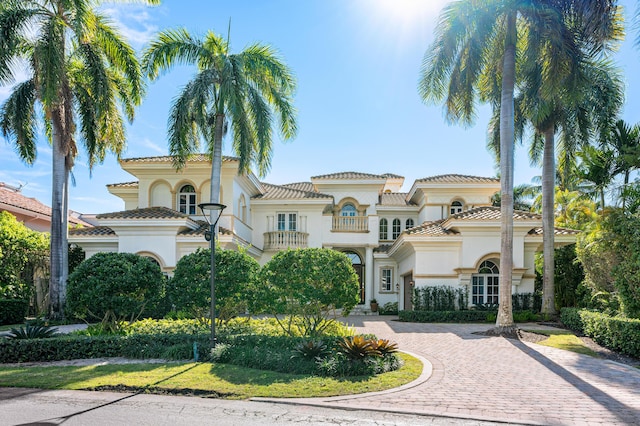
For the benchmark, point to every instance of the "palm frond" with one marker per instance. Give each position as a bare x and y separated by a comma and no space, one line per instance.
18,120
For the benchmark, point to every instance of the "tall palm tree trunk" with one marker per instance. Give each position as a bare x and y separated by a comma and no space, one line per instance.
58,231
216,160
548,225
504,320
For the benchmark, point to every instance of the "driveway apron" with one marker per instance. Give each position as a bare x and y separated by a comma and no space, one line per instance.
497,379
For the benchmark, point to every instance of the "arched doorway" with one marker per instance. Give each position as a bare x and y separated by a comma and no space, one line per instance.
356,262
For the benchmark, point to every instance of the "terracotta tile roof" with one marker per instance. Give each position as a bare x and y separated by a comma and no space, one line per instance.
433,229
301,186
492,213
452,178
146,213
96,231
277,192
349,175
169,158
392,176
394,199
123,185
10,197
558,231
383,248
201,229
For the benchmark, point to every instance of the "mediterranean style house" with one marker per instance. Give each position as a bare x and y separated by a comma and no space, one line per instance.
444,231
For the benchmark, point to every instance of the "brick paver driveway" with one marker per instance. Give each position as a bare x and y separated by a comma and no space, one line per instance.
498,379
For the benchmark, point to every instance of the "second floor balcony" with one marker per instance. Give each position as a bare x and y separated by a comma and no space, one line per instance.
282,240
350,224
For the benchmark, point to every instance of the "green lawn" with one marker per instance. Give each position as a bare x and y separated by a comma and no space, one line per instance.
219,380
564,339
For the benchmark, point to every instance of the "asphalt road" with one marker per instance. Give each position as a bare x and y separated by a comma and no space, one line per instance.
70,408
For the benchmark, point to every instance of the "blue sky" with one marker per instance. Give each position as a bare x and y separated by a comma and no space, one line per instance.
357,64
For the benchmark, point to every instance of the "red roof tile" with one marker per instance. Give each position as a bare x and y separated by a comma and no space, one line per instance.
12,198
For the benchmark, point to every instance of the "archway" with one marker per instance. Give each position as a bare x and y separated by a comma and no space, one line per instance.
356,263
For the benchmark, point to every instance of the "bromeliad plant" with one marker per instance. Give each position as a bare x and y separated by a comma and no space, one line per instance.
311,350
32,332
359,348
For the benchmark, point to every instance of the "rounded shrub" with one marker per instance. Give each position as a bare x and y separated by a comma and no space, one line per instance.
190,290
114,286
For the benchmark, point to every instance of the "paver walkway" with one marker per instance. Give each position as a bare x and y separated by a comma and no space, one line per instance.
498,379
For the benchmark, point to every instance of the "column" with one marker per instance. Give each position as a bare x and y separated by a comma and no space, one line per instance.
368,274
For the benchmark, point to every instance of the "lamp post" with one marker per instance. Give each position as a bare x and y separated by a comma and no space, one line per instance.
210,236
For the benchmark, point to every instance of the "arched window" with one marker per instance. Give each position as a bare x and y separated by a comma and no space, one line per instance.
348,210
485,285
456,207
384,229
396,229
242,208
187,200
409,224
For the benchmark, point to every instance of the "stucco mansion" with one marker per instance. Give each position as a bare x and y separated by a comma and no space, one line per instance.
444,231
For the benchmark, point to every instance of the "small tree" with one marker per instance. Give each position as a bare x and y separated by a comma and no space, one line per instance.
114,287
21,250
308,284
236,274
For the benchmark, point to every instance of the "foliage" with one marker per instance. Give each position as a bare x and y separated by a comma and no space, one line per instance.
526,302
114,287
471,315
139,346
439,298
358,347
20,250
311,349
32,332
307,284
389,308
610,256
616,333
568,276
384,346
190,288
13,311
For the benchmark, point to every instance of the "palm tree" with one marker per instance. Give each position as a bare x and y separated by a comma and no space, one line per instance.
625,141
244,90
474,54
81,72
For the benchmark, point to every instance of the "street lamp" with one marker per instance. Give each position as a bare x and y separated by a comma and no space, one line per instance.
210,236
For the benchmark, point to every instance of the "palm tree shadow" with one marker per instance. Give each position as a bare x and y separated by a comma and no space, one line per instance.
63,419
625,413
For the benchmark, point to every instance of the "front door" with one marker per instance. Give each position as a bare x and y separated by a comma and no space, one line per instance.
408,292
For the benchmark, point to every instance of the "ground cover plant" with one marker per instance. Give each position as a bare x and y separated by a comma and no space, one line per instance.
563,339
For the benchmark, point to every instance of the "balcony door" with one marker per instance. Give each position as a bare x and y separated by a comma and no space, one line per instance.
356,262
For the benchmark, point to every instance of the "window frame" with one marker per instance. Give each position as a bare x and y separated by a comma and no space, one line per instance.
456,206
289,219
407,226
384,229
190,204
396,228
485,284
386,272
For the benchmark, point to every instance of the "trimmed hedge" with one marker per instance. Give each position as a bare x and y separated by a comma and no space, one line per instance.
444,316
463,316
13,311
616,333
141,346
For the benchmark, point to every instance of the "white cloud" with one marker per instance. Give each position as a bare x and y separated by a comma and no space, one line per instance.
147,143
133,21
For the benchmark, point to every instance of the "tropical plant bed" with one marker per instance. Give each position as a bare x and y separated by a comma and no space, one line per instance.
203,379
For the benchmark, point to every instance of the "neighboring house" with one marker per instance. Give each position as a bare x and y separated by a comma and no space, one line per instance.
444,231
30,211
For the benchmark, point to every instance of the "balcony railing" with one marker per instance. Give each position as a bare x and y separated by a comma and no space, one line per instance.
281,240
350,224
